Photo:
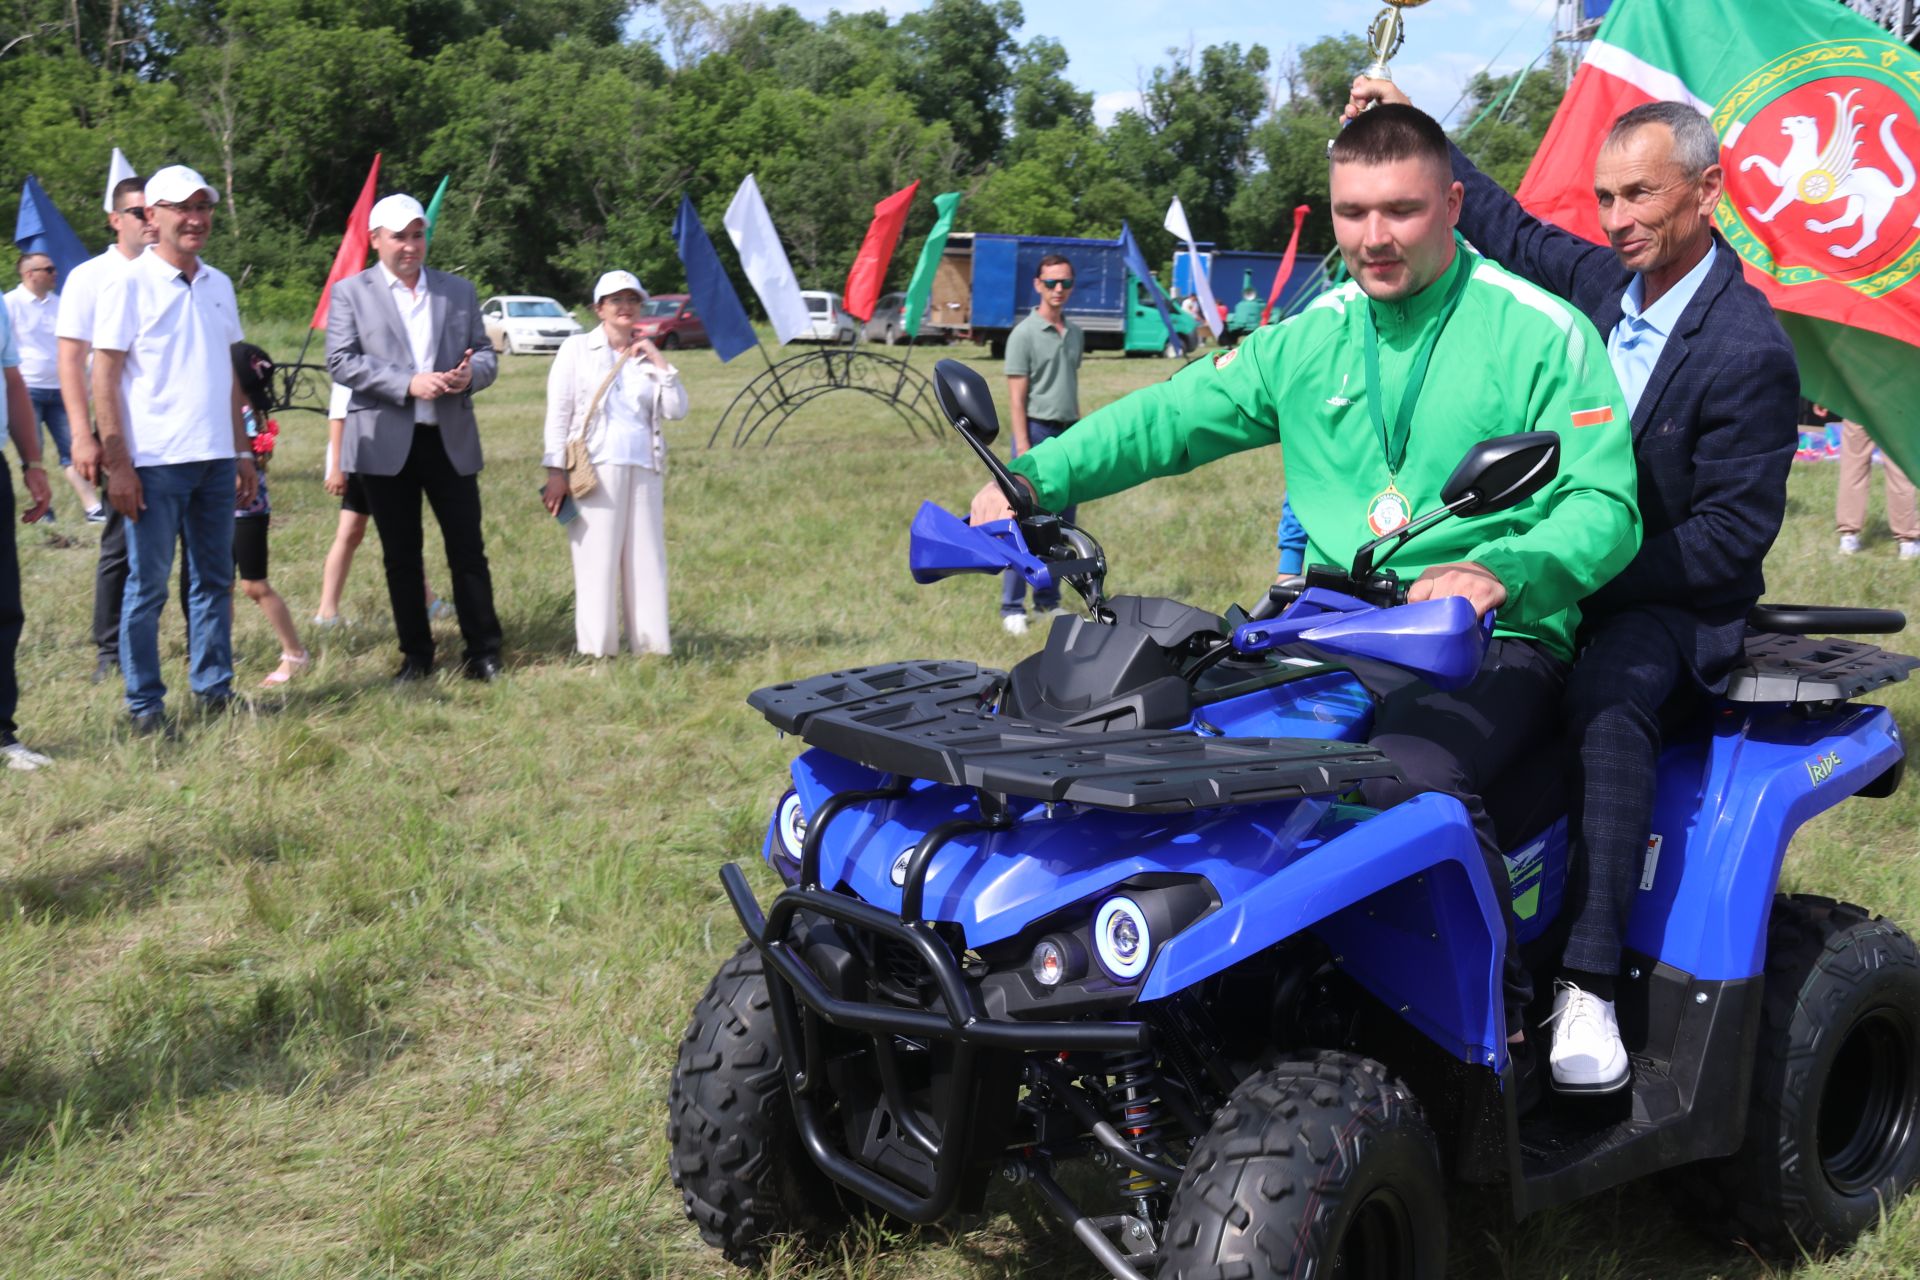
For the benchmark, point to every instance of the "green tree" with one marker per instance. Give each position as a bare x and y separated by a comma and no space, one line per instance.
1507,117
959,57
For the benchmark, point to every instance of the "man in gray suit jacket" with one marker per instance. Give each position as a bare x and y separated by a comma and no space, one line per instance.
409,343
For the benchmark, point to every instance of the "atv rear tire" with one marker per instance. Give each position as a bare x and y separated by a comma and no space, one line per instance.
1833,1129
1312,1168
735,1155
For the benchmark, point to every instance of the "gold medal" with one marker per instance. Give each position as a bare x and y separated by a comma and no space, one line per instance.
1387,511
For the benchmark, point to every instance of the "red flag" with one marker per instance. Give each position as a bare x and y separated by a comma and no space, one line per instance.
876,251
352,256
1285,272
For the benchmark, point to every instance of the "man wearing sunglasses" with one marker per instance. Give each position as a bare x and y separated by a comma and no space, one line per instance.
1043,391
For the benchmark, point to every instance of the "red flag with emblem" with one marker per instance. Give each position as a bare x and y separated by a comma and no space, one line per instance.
351,257
869,272
1818,115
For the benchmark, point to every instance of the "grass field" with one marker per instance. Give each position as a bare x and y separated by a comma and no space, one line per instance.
366,982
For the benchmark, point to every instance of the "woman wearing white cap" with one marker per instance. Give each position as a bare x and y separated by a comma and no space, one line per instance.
619,537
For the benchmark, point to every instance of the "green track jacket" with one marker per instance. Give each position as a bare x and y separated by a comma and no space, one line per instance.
1512,358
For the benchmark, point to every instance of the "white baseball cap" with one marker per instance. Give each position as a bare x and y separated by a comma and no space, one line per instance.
396,213
176,184
614,282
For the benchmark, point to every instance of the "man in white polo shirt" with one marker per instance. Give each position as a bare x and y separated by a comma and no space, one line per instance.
172,440
79,298
32,306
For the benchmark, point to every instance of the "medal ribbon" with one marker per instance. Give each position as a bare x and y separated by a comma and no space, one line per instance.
1395,448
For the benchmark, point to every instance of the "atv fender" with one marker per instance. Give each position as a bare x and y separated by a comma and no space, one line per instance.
1726,809
1404,902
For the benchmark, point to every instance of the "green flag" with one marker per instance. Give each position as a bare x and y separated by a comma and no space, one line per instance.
920,288
433,205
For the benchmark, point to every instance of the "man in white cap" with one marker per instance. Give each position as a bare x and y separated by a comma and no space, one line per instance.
409,343
171,438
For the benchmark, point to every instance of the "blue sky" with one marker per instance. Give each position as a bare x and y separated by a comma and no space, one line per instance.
1114,44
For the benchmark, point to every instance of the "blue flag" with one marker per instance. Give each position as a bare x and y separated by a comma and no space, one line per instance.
1137,264
727,325
41,229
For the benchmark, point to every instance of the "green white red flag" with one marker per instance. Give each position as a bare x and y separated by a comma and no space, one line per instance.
1818,115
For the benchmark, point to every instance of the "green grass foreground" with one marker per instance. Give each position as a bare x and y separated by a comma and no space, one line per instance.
366,982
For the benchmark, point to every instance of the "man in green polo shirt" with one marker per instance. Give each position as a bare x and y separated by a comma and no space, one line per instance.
1376,391
1043,392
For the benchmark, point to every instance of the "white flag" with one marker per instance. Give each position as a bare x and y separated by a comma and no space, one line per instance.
117,169
750,227
1176,225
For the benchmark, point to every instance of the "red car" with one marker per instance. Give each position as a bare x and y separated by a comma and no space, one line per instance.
670,320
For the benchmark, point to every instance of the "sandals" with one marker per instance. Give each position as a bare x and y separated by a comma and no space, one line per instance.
297,661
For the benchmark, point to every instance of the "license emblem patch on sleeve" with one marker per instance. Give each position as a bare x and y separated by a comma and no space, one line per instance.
1593,417
1225,358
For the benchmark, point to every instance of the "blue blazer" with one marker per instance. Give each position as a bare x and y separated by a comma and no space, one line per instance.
1713,435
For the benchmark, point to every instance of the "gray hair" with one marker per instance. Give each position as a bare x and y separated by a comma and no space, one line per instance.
1695,149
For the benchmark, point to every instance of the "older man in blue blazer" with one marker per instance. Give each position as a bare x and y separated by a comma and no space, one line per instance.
1713,389
409,343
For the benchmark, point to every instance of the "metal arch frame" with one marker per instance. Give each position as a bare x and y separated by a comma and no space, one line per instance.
784,387
294,391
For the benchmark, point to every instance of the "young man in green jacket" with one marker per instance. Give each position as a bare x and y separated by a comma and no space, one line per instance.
1376,391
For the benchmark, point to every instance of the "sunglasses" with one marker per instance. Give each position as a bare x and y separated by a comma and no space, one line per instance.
39,270
134,211
1057,284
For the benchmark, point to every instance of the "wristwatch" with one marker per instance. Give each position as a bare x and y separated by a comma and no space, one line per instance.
35,465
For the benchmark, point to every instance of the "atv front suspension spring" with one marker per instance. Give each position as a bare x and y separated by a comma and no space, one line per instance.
1134,1101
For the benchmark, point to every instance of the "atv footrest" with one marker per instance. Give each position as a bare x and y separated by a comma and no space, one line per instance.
929,720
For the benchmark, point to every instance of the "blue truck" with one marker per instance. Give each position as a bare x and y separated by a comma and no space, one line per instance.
984,287
1227,270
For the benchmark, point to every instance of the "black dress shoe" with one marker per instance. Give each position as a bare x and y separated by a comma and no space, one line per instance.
104,667
412,671
486,667
153,723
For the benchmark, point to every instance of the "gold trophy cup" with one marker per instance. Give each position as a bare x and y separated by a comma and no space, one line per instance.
1385,34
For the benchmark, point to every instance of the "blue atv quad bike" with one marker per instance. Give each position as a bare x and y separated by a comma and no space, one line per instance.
1116,905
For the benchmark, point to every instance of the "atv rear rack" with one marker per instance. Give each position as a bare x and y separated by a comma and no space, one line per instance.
932,720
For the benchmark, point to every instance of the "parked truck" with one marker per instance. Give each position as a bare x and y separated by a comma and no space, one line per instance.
984,287
1227,271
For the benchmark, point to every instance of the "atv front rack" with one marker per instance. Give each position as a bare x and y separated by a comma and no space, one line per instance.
932,720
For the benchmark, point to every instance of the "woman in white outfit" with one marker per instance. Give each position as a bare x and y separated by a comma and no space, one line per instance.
619,536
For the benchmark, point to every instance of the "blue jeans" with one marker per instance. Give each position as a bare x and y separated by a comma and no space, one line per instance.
52,412
191,501
1013,589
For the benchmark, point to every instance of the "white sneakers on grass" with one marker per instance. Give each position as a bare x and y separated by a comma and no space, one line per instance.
1909,550
1587,1056
18,756
1849,544
1014,624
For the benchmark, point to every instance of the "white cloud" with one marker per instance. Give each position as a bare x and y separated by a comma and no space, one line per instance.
1106,106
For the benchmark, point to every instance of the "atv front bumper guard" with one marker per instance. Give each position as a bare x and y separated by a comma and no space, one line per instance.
799,995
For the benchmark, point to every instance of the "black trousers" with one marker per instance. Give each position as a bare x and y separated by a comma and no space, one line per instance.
1629,668
395,506
12,617
1457,742
110,586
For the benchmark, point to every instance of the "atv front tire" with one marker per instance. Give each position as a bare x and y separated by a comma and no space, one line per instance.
1833,1129
744,1177
1314,1168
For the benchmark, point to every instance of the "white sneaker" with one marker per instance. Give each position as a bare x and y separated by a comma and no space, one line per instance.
1909,550
1014,623
19,757
1587,1055
1849,544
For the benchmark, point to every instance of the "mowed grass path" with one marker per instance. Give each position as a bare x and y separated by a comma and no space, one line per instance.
367,982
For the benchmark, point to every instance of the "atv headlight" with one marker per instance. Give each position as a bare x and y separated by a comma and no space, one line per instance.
791,824
1057,958
1121,938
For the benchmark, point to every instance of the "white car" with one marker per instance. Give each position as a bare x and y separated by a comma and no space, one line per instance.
522,323
829,319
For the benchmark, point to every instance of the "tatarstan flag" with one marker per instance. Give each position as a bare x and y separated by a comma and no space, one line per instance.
1818,115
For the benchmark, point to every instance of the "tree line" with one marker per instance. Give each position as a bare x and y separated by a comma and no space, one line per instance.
571,127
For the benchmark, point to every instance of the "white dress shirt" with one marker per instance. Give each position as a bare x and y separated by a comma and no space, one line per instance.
178,336
33,324
626,430
415,306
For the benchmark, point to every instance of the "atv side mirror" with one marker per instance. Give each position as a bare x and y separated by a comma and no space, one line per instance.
1496,474
964,398
1501,473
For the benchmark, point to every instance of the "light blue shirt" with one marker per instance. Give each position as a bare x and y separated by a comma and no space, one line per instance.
9,359
1636,342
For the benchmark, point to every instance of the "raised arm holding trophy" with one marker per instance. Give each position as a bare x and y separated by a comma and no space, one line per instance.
1385,34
